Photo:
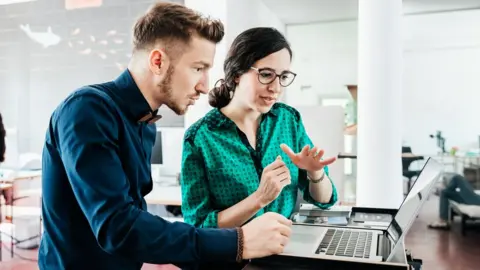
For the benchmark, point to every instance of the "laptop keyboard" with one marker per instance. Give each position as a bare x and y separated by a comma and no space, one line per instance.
346,243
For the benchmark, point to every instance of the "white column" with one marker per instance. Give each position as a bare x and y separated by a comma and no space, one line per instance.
379,182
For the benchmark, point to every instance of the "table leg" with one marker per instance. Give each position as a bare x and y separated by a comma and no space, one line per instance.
1,233
11,215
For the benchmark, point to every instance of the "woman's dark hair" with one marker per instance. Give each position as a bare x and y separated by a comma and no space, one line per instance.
247,48
2,140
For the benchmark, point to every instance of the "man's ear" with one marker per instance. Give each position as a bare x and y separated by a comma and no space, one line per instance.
158,62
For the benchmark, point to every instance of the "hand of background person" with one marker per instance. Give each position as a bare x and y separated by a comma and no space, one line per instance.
274,178
266,235
308,159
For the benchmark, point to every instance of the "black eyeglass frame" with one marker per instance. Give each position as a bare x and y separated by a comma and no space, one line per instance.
259,70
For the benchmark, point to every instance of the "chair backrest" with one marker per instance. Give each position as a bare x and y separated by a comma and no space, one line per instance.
406,161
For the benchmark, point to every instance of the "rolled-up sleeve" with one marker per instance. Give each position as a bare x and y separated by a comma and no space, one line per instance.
87,133
196,205
303,182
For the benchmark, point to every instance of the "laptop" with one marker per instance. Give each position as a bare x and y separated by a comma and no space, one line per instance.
364,244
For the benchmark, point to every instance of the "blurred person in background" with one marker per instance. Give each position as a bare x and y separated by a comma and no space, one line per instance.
6,193
459,190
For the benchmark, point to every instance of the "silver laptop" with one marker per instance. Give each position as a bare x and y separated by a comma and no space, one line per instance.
360,244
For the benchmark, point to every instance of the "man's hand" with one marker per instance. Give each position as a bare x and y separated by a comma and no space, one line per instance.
266,235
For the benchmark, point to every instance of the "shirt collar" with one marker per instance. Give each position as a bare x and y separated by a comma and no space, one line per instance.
216,119
132,100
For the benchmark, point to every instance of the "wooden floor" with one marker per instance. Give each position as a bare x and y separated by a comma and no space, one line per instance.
443,250
440,250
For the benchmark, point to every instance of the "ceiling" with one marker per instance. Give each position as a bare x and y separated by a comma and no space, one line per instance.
307,11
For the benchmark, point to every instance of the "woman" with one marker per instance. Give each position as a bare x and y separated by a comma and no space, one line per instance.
250,154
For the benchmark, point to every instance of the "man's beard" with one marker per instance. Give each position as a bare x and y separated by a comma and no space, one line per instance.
167,93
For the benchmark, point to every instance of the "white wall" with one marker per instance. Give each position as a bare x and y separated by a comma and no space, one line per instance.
441,65
37,106
325,59
244,14
324,126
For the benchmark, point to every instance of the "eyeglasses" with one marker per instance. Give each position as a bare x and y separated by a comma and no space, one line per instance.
268,75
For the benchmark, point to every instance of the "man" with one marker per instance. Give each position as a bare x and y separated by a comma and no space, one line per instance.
459,190
96,160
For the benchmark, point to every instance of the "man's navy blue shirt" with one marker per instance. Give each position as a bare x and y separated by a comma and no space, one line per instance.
96,172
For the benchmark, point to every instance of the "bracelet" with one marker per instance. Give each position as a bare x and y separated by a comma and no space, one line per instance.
240,245
315,181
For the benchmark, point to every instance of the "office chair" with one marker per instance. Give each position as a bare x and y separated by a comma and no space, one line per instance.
406,162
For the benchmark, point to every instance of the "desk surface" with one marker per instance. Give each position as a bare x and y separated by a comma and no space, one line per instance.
301,264
5,186
162,192
360,217
11,175
296,263
354,156
165,194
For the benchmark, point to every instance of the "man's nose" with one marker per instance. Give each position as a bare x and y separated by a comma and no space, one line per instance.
202,85
201,88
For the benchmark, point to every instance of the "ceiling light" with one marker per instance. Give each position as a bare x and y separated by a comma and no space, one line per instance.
76,4
8,2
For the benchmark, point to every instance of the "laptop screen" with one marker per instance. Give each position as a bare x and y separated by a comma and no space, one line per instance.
416,197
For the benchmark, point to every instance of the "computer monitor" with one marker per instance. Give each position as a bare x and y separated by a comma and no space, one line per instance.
157,152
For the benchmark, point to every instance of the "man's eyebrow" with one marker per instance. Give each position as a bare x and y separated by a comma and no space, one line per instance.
205,64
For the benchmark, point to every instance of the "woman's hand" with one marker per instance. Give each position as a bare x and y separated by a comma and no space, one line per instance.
308,159
274,178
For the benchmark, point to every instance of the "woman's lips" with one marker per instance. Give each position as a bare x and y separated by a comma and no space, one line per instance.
269,100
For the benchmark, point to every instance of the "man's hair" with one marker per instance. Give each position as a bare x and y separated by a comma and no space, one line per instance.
2,140
173,23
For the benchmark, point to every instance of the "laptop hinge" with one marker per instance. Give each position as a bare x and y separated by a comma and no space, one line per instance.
384,246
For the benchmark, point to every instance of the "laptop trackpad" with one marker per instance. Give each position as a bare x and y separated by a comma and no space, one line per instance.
304,239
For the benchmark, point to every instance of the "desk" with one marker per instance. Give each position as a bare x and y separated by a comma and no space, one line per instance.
8,178
354,156
291,263
12,176
165,194
296,263
162,192
4,187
